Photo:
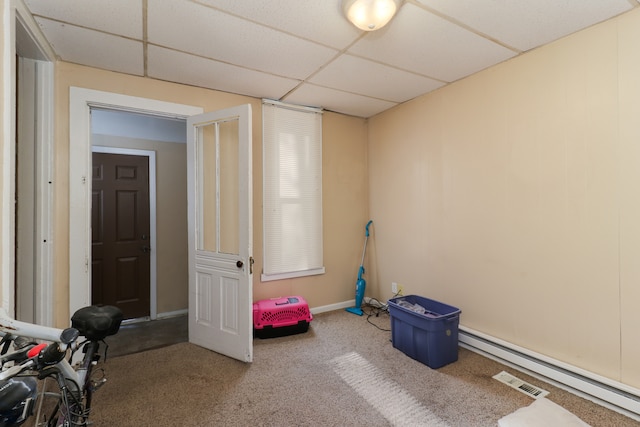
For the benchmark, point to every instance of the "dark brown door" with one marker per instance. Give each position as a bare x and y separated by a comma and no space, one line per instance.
120,233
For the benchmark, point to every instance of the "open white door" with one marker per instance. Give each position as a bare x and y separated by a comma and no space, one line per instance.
220,231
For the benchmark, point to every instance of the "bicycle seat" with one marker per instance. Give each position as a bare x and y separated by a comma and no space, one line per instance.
97,322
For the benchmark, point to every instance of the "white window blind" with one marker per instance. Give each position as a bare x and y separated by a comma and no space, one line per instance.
292,191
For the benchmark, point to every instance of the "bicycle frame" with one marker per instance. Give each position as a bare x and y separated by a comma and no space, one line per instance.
63,370
11,326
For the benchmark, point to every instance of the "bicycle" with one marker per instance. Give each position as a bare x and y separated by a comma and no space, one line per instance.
74,385
18,393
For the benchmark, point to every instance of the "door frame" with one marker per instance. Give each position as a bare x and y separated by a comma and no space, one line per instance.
81,100
23,37
151,155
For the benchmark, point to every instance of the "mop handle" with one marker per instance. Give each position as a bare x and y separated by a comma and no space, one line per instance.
366,228
366,237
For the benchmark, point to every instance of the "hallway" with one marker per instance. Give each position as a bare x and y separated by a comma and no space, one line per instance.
140,336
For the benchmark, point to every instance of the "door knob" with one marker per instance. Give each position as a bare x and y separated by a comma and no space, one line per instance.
146,249
239,264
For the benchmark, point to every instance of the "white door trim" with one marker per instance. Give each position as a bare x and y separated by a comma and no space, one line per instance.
8,155
34,266
81,101
18,26
45,196
153,274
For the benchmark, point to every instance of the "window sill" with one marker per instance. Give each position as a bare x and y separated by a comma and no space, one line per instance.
281,276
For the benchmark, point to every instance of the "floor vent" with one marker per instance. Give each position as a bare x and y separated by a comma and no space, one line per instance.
520,385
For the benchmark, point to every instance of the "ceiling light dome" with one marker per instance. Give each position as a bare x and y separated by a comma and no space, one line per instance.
369,15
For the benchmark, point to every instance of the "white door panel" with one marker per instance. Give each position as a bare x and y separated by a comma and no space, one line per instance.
220,236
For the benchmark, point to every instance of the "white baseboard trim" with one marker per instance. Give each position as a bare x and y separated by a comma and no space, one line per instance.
332,307
344,304
314,310
176,313
606,392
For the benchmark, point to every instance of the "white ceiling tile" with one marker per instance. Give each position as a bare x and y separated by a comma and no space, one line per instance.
338,101
88,47
320,21
166,64
528,24
364,77
424,43
207,32
122,17
266,48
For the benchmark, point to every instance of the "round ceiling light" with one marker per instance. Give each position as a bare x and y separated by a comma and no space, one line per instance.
369,15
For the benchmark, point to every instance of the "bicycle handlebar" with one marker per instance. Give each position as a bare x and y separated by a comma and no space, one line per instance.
38,357
31,361
17,356
15,370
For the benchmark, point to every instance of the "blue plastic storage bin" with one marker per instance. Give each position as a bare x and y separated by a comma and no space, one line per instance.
430,338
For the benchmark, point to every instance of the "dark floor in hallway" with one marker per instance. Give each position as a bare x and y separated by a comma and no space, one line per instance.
140,336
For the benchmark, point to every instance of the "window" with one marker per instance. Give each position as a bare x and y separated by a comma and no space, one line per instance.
292,191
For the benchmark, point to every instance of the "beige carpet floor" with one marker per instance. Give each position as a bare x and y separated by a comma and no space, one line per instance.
342,372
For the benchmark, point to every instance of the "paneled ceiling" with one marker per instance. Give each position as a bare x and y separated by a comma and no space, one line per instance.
305,51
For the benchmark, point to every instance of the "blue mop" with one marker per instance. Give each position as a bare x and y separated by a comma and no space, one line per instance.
361,284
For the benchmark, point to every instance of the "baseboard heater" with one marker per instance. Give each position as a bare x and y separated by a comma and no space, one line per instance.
611,394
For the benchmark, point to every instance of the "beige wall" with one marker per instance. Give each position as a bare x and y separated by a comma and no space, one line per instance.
172,273
514,195
629,191
344,183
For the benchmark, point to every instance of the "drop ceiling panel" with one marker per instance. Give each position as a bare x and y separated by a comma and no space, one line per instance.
166,64
197,29
528,24
268,48
94,48
319,21
122,17
421,42
364,77
335,100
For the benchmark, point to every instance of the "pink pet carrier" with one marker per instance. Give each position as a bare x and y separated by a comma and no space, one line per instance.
278,317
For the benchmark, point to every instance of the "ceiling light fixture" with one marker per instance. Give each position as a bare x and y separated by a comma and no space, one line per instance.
369,15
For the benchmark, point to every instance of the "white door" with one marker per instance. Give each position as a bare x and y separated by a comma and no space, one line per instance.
220,231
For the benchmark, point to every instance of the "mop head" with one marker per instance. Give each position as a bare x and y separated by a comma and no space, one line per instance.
354,310
360,287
